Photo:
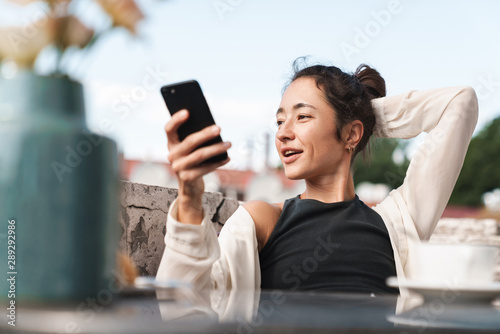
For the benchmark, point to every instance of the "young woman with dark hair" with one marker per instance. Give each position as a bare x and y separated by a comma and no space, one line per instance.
325,238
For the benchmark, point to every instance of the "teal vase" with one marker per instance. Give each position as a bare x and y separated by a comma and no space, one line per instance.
58,194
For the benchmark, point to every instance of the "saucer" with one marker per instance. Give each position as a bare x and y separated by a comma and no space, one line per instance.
440,315
473,293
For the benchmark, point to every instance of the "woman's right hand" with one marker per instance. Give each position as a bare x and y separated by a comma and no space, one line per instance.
186,163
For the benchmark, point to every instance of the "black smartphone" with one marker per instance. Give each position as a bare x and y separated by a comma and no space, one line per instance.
188,95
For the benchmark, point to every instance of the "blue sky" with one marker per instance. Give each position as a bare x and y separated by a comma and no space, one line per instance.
242,58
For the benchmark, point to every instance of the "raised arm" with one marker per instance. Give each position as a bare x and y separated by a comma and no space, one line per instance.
448,116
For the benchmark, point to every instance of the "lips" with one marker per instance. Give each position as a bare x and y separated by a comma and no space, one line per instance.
290,154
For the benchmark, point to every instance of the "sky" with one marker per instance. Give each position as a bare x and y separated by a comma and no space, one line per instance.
241,52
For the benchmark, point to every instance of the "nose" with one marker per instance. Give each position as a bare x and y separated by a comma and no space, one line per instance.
285,132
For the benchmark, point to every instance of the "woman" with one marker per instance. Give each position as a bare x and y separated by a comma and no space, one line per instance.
325,238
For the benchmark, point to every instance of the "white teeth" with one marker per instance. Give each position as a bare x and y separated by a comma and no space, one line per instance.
287,153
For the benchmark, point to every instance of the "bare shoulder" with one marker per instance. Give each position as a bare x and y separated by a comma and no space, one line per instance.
263,211
265,215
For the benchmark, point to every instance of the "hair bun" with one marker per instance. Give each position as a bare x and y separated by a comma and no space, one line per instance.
371,80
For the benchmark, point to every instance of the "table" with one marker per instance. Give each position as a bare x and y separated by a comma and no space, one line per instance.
271,312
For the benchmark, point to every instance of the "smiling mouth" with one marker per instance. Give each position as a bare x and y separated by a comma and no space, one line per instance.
289,153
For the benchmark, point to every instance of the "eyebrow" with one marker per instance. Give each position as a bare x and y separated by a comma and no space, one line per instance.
297,106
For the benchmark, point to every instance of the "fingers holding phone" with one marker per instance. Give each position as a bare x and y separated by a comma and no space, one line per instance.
194,143
191,152
195,160
173,125
188,163
189,96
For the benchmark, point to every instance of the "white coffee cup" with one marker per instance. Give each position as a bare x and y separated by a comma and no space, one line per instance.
456,264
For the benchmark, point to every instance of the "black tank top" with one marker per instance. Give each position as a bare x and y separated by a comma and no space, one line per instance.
341,246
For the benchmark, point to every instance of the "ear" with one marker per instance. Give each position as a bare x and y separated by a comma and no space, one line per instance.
353,133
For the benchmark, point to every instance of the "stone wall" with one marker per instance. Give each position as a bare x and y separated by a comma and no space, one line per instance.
144,212
143,217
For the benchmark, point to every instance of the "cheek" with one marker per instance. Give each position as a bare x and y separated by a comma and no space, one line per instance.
328,144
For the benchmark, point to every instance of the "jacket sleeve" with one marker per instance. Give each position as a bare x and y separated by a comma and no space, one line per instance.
215,267
448,116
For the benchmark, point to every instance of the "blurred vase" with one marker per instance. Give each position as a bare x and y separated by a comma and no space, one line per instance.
59,188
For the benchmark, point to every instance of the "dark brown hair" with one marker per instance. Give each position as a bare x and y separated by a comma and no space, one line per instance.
350,95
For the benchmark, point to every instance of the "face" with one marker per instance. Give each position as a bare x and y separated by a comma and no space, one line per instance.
306,140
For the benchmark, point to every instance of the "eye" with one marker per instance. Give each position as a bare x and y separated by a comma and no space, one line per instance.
279,122
303,117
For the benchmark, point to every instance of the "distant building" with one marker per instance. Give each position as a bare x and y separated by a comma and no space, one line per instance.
244,185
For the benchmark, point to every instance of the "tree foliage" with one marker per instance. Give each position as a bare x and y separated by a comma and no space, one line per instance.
481,170
379,166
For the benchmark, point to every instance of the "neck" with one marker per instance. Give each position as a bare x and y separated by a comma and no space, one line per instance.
331,188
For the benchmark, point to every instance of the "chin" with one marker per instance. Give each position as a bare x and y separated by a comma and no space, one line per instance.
293,175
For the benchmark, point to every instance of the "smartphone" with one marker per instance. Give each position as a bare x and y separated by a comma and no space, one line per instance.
188,95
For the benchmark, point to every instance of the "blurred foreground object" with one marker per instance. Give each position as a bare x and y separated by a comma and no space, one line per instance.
124,13
14,46
59,28
127,272
59,183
